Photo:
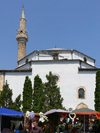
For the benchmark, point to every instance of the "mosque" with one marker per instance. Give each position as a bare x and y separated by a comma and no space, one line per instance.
75,71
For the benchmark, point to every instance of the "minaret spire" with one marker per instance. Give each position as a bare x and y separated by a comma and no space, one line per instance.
22,37
23,13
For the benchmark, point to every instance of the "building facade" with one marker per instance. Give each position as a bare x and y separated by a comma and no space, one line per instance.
75,71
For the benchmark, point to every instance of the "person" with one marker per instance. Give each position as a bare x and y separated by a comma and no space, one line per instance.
19,128
35,128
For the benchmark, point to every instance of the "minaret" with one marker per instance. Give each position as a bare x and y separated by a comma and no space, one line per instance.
22,37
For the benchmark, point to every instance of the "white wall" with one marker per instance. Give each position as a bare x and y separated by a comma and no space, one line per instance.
34,57
84,65
66,55
26,66
16,81
70,80
45,57
88,80
62,55
30,57
77,55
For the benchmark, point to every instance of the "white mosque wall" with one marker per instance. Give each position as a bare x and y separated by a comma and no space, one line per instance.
35,57
66,55
84,65
91,62
25,66
69,80
62,55
16,82
30,57
88,80
77,55
45,57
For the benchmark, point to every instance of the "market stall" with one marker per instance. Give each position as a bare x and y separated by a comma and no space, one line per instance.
54,116
86,114
6,115
40,118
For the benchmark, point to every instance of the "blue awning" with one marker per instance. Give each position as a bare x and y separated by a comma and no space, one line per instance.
9,112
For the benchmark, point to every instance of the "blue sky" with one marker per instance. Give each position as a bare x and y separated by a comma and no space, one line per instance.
69,24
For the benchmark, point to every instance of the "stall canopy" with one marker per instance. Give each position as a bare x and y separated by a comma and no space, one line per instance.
9,112
55,111
85,111
54,116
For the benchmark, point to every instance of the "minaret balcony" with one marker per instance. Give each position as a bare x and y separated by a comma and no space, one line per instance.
22,36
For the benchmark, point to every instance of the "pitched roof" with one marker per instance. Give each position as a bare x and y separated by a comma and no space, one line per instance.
56,50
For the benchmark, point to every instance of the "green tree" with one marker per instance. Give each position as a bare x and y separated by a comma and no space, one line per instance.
38,95
27,95
52,92
97,92
17,103
6,97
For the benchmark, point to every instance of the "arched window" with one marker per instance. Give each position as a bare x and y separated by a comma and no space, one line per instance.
57,78
81,93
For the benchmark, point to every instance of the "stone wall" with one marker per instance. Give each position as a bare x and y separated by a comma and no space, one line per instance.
21,50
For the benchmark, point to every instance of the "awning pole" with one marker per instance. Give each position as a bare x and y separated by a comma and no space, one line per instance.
84,123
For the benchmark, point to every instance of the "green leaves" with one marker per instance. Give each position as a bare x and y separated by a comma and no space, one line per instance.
46,95
38,95
43,97
52,93
97,92
6,97
27,95
17,104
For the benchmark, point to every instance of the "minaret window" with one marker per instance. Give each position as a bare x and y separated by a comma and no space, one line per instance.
21,31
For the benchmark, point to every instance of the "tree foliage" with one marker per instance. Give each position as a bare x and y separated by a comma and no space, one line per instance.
52,93
17,103
27,95
97,92
46,95
38,95
6,97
